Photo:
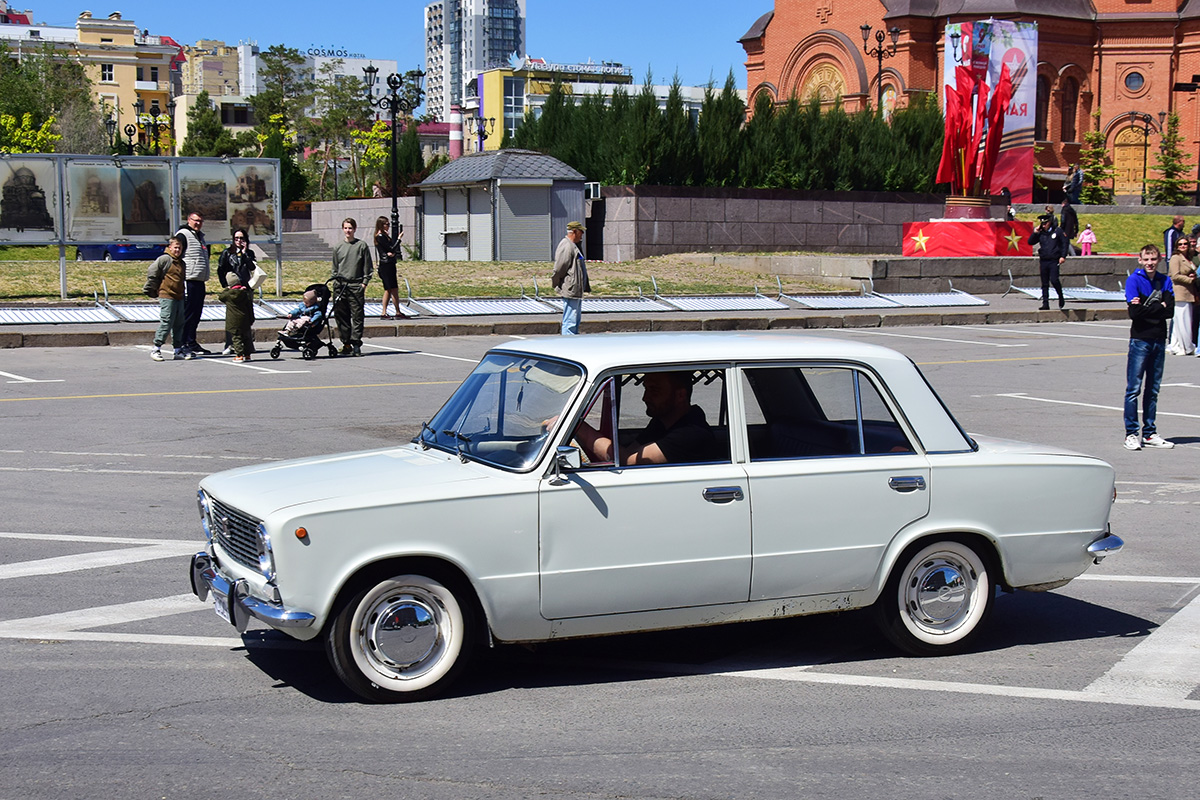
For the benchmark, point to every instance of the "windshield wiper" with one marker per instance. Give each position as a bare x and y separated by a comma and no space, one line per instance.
420,437
462,439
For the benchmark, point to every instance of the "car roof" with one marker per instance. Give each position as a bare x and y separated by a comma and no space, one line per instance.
599,352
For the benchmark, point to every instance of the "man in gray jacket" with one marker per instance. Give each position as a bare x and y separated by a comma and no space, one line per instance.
571,277
195,261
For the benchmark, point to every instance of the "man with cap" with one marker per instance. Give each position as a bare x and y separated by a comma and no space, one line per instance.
571,277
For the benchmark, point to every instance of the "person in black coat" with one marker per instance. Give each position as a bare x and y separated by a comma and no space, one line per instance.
235,268
1069,223
1052,252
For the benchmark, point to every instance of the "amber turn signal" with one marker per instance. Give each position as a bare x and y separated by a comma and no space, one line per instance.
301,534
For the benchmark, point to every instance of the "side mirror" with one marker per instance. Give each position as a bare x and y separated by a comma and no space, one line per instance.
565,458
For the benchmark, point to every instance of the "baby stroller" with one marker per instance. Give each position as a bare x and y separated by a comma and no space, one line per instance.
308,338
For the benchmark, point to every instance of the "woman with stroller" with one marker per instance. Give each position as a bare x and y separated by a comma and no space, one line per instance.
385,252
235,268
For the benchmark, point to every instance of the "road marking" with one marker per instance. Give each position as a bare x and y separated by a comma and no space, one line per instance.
72,537
92,471
97,560
420,353
1018,358
1064,335
231,391
1163,667
169,456
862,332
72,625
231,363
1023,396
22,379
802,674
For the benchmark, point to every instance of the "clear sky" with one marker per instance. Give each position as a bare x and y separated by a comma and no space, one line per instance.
697,38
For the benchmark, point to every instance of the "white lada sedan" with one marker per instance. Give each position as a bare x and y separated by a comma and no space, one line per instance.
589,485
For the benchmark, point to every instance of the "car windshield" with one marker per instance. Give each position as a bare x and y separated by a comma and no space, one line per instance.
496,416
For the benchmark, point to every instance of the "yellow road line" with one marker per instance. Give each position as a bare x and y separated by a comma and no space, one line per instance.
226,391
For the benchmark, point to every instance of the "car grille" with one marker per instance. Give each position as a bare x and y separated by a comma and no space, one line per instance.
237,533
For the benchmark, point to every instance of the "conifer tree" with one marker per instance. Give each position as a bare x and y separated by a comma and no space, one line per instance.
677,163
206,136
1098,172
1173,167
719,134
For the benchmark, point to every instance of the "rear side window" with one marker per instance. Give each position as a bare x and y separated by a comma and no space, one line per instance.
810,412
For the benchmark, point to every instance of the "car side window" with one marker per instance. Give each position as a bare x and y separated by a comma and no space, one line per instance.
660,417
808,412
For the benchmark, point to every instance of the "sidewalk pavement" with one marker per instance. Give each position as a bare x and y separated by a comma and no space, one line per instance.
1000,310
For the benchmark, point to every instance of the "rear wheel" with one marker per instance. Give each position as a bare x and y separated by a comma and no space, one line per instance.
275,351
332,351
937,598
309,352
402,639
78,254
107,256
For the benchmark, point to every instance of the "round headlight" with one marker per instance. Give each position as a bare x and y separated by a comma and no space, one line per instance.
205,514
266,556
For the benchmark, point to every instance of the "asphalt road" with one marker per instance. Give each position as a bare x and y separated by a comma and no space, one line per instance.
118,683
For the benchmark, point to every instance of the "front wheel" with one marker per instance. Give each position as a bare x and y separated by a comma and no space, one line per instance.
401,640
936,599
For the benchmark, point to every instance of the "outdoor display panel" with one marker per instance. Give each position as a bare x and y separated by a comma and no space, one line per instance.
68,199
29,195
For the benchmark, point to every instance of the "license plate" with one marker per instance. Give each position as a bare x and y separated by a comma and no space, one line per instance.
220,607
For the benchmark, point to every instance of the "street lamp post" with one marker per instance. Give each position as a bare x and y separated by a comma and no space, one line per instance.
879,52
482,128
403,95
154,122
110,125
130,130
1134,118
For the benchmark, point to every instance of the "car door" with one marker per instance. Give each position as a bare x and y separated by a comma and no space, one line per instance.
833,476
617,539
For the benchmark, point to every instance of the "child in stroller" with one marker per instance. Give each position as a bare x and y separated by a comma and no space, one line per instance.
306,322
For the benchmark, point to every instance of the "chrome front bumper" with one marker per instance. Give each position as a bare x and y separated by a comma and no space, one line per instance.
236,599
1109,545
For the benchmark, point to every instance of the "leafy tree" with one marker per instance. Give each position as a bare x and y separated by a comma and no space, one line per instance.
287,89
1173,168
1098,172
50,87
340,107
276,141
206,136
20,136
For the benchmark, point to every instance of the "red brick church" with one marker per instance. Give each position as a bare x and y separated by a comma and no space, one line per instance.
1111,56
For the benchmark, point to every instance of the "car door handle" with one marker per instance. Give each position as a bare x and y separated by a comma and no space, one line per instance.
907,483
723,494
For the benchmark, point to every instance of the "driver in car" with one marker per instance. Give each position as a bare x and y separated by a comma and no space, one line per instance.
677,433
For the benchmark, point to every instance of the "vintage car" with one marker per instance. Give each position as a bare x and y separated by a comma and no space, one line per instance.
751,476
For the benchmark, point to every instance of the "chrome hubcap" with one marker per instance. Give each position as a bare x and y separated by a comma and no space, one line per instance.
939,592
401,634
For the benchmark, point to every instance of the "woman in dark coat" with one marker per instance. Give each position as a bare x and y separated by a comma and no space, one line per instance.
235,267
385,256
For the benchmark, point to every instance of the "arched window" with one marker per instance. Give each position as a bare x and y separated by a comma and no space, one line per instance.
1043,108
1070,105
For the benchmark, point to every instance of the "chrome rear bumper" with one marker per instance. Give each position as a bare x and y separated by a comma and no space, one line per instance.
236,599
1109,545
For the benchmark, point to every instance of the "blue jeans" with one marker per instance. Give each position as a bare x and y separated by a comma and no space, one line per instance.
572,306
1145,362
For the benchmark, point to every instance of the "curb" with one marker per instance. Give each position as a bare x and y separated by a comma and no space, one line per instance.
506,327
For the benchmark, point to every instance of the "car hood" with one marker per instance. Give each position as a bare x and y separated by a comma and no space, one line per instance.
400,471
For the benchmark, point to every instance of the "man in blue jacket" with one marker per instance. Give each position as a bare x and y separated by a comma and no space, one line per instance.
1151,299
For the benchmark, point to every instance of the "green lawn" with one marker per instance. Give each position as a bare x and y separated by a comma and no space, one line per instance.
1121,233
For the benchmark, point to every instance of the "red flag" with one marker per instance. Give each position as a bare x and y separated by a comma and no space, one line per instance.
946,172
995,130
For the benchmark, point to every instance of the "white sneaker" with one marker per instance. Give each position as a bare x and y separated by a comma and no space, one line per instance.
228,351
188,355
157,355
1154,440
1133,442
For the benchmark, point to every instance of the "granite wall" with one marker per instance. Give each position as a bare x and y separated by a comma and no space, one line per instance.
642,221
